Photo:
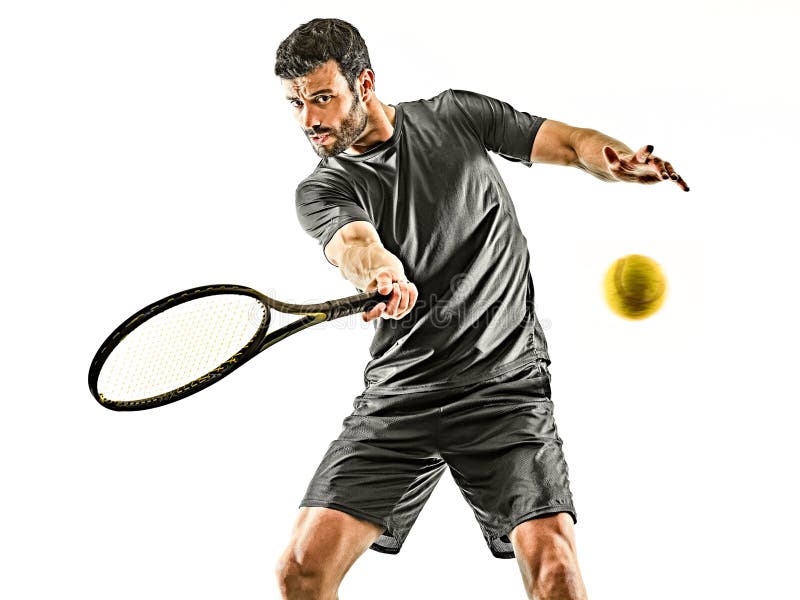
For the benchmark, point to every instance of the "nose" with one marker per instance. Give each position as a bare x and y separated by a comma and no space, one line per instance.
309,117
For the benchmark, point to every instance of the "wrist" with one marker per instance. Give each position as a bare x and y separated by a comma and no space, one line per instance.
362,264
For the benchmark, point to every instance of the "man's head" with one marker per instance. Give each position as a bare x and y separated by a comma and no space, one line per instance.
323,66
314,43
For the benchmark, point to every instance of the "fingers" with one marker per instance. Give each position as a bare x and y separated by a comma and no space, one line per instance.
403,297
384,282
408,297
644,153
660,167
675,177
645,156
393,306
650,169
374,312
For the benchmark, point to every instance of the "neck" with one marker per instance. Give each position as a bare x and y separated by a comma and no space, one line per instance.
380,127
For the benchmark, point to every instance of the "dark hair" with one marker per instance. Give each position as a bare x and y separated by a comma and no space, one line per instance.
318,41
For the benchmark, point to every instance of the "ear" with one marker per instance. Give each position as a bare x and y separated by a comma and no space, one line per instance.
366,85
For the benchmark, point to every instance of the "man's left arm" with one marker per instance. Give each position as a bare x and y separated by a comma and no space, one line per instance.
600,155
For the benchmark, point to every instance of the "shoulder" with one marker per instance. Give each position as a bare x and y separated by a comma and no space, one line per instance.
326,179
445,100
439,110
472,103
328,172
460,103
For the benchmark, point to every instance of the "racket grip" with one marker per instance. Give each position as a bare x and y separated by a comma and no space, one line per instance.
355,304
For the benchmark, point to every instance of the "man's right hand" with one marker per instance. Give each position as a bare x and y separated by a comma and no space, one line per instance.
404,295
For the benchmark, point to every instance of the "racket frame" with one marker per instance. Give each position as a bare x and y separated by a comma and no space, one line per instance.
312,314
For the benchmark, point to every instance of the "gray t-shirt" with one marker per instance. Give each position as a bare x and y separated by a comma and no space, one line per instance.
438,203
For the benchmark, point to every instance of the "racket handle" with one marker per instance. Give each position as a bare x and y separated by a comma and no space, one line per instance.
355,304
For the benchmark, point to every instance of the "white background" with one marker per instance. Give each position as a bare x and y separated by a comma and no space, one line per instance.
146,148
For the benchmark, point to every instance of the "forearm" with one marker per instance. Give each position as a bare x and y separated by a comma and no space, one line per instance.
357,250
361,262
587,146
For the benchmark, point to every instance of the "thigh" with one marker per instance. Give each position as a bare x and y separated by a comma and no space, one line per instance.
503,448
382,468
330,541
546,555
553,533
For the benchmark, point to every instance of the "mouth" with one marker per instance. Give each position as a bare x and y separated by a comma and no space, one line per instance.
319,139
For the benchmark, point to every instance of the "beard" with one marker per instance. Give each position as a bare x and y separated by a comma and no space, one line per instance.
348,132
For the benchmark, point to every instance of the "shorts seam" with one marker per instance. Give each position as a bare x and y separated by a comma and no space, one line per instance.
558,508
491,537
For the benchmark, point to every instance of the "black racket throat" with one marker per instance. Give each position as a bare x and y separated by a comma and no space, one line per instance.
183,343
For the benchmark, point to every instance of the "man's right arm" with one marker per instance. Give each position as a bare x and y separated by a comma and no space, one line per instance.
357,250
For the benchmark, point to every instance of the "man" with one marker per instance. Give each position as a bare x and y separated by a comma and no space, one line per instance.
407,201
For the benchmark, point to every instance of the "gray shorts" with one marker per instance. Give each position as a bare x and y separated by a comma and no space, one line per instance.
498,437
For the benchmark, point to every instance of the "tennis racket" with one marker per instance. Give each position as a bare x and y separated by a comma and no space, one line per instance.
186,342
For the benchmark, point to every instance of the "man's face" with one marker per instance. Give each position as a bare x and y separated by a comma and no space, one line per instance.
329,114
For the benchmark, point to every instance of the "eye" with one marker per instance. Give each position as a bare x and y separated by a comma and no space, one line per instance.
296,103
323,99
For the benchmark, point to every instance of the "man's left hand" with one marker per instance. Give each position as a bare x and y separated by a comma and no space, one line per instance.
641,167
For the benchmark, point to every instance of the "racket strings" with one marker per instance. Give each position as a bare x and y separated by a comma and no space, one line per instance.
180,345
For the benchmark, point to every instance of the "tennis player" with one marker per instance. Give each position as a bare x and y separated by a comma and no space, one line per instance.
406,200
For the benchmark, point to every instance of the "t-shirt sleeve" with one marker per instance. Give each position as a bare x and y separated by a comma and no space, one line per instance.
501,128
324,206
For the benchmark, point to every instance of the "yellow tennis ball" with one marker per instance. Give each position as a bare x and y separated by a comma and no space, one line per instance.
635,286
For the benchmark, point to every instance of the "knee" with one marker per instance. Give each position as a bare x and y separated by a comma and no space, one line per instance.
557,577
548,560
298,579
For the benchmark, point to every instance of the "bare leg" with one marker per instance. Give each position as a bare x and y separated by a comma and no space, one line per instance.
545,551
324,545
